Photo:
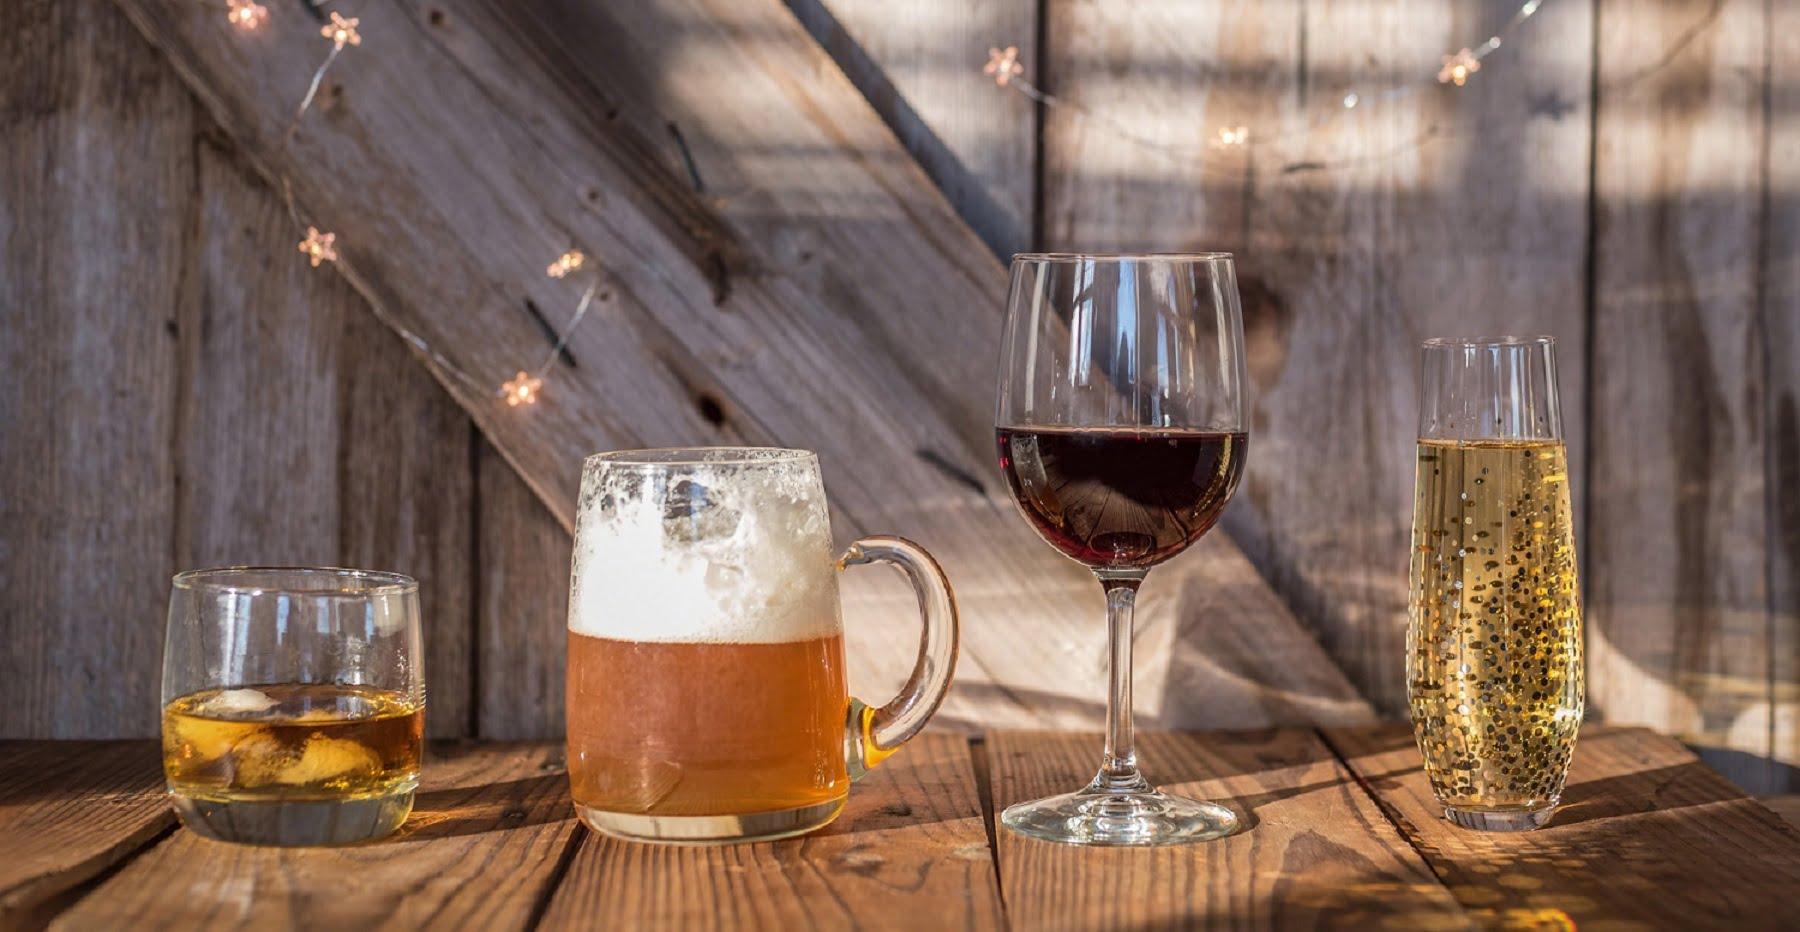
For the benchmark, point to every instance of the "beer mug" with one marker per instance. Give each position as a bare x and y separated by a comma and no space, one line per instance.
707,699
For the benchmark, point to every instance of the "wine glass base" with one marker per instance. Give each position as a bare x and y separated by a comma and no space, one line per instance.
1114,819
1502,820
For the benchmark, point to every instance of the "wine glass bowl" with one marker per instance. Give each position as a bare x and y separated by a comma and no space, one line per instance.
1120,431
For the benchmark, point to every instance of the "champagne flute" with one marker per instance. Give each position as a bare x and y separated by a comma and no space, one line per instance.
1494,673
1121,434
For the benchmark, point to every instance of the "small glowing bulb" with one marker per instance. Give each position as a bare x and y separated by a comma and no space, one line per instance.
319,247
246,14
341,31
1003,65
1351,100
521,389
1233,135
566,263
1458,67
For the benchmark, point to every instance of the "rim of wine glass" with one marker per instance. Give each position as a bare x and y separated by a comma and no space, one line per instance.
372,582
1121,256
702,456
1503,340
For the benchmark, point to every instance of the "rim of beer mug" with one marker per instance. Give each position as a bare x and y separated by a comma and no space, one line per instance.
653,457
351,582
1496,341
1121,256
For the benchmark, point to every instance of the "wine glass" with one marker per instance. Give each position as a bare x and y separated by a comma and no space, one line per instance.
1121,434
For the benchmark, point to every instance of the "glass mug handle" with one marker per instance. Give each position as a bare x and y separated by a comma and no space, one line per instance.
872,734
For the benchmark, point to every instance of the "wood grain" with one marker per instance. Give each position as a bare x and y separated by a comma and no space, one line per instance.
1445,212
918,64
1647,837
87,364
1679,527
260,423
68,811
1781,313
407,484
524,570
289,452
481,850
909,852
1315,850
755,306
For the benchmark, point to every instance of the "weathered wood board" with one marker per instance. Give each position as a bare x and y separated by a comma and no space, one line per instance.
68,811
1441,211
1647,837
1339,831
916,64
482,850
909,852
190,392
1315,851
88,395
1680,531
754,306
524,570
1781,310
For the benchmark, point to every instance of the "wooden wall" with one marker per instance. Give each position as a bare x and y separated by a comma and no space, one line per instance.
1613,176
178,394
1620,174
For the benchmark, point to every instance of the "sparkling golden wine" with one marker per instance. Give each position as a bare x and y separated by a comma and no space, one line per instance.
1494,668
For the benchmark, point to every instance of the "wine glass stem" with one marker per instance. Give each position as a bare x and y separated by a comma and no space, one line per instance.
1119,771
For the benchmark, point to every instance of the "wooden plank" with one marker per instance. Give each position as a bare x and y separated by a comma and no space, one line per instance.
1444,212
1315,851
917,65
909,852
407,484
1648,837
1678,532
291,455
524,606
260,422
96,180
54,835
482,849
1781,311
761,309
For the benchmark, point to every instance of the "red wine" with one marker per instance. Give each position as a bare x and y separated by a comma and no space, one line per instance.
1121,497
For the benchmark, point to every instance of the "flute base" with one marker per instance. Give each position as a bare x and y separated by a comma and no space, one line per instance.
1500,820
1103,817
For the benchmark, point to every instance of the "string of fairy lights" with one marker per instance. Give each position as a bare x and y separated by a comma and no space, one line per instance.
320,246
1003,67
1455,69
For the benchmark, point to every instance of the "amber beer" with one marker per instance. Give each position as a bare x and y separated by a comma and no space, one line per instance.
700,729
706,690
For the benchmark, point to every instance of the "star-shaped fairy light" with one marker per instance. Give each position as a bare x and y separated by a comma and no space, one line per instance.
246,14
566,263
341,31
1233,135
521,389
1003,66
1458,67
319,247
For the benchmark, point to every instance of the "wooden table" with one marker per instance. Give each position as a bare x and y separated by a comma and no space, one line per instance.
1341,833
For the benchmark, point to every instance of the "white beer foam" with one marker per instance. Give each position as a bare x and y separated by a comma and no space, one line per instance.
751,566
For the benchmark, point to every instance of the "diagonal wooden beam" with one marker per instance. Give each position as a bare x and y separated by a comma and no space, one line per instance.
773,269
